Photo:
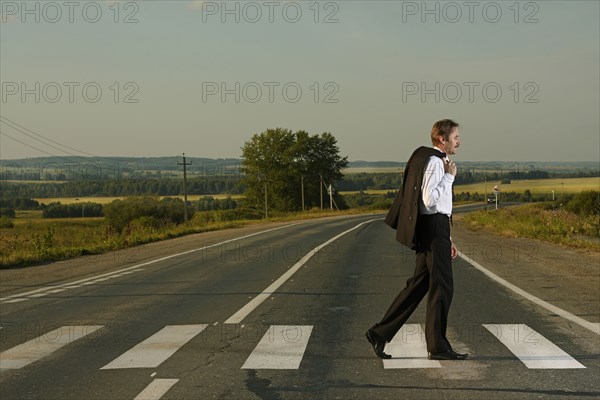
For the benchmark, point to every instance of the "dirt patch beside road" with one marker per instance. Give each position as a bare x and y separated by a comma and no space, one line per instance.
566,277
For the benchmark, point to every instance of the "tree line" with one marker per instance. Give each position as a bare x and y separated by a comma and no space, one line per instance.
123,187
236,185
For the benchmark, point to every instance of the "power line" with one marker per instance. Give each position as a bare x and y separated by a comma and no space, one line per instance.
28,145
41,141
21,129
26,131
66,160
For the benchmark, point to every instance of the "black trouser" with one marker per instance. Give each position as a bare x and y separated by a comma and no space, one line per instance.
433,276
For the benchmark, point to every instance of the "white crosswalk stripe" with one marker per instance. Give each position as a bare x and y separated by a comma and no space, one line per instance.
409,349
157,348
156,389
43,346
534,350
282,347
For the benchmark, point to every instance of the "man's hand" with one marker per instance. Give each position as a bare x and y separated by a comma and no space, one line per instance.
454,251
450,167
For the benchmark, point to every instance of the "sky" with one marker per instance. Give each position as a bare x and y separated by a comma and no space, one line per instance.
159,78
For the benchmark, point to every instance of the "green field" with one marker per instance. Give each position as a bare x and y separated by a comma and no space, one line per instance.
538,186
379,170
568,185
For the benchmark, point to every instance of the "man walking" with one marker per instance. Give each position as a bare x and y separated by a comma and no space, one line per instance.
421,215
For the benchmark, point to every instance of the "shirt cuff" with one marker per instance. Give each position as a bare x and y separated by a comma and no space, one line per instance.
449,177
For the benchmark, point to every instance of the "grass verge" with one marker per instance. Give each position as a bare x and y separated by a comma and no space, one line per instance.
34,240
536,222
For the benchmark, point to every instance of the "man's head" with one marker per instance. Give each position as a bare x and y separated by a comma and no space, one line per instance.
444,135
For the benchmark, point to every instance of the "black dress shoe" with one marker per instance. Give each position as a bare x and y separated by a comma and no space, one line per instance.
378,344
447,355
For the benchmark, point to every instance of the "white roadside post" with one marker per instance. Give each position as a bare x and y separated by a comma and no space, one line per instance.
496,191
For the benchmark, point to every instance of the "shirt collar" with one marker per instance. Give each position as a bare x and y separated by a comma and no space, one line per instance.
438,149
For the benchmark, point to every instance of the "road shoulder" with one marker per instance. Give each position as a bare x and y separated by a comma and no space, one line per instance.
565,277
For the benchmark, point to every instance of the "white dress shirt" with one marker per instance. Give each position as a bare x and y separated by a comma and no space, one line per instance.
436,190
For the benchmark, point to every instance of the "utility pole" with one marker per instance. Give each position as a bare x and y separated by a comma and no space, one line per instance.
321,189
263,178
302,186
266,202
185,164
486,195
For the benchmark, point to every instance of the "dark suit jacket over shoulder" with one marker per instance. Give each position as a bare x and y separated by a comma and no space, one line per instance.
402,216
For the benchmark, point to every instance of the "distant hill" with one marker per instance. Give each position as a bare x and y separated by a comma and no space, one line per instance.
207,165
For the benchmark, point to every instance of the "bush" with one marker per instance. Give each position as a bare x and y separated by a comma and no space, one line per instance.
586,203
209,217
146,222
20,204
120,213
8,212
171,210
6,222
75,210
208,203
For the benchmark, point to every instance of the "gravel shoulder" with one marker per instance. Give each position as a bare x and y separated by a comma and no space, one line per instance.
566,277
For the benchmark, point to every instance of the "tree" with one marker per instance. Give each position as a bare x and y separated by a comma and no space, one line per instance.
280,160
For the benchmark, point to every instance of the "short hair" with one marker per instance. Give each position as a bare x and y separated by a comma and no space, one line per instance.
443,128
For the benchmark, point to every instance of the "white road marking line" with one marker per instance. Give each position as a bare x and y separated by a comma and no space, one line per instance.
136,268
282,347
42,346
16,300
256,301
409,349
57,290
156,389
157,348
594,327
38,295
534,350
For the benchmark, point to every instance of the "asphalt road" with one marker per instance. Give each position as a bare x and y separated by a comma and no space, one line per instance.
273,316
